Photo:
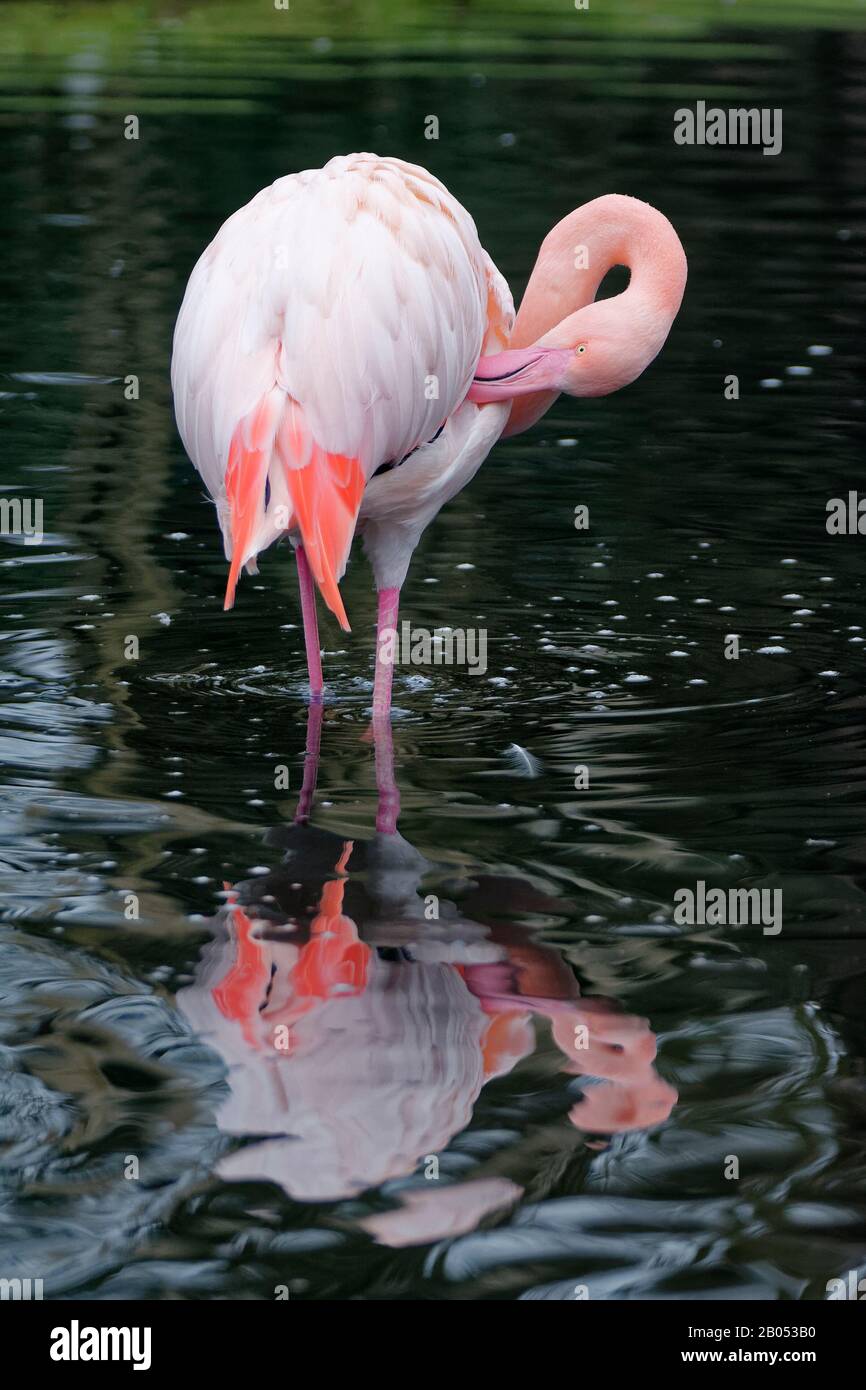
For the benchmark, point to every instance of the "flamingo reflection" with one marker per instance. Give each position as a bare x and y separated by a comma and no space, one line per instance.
359,1019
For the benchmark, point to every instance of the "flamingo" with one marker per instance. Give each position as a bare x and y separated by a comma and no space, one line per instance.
358,1035
346,356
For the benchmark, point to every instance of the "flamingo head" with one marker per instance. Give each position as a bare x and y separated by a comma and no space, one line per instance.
601,353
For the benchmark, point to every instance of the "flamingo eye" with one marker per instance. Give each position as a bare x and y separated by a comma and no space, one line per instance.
582,347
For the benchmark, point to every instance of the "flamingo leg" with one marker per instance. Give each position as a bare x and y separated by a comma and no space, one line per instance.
389,603
315,712
388,808
311,626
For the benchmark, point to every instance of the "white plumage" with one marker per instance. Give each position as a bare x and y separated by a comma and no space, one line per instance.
361,292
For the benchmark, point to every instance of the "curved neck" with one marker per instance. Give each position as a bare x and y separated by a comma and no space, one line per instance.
573,260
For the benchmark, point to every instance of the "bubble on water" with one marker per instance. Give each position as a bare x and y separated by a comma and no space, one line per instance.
666,598
770,383
697,681
177,536
819,350
507,139
566,443
258,870
773,651
162,618
635,678
677,653
465,566
830,674
789,560
793,597
655,574
597,565
799,371
803,612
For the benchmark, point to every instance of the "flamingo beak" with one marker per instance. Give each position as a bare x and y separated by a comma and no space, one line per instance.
517,372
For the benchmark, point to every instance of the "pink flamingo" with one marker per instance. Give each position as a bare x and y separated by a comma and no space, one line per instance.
347,355
358,1035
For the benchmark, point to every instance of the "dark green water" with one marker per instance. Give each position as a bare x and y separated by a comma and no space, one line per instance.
141,1039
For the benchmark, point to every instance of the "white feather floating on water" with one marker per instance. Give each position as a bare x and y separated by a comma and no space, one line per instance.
522,762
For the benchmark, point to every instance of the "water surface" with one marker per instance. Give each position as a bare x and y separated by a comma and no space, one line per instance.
305,1159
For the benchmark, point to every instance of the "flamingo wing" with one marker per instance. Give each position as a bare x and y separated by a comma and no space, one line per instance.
333,324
